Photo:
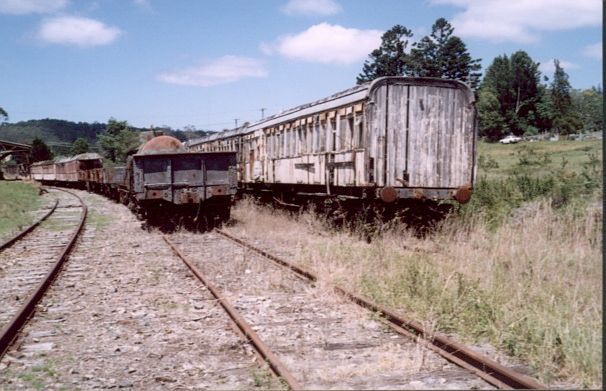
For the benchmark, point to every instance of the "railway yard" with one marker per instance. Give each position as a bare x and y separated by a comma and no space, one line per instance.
126,312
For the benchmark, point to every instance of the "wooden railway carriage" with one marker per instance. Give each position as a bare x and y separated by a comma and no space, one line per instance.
72,171
394,138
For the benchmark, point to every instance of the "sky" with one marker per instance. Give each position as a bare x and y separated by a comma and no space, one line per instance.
211,63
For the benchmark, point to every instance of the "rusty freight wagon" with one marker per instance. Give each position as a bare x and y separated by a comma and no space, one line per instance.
393,139
163,180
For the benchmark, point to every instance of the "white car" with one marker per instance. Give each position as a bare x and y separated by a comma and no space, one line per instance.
511,139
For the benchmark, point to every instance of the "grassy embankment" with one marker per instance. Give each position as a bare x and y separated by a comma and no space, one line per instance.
17,199
519,267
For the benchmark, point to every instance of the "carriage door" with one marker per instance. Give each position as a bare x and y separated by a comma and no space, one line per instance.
396,135
332,147
251,163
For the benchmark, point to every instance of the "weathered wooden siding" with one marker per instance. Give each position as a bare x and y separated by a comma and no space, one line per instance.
427,133
402,132
441,137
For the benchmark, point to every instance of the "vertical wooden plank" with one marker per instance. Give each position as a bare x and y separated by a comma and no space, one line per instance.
379,130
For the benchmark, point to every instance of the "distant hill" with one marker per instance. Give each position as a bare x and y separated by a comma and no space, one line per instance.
50,131
60,134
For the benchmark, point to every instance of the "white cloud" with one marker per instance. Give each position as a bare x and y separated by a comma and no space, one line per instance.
311,7
326,43
522,20
226,69
142,3
547,67
77,31
593,51
22,7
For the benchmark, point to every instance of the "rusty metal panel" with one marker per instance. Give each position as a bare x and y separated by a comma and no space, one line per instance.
184,177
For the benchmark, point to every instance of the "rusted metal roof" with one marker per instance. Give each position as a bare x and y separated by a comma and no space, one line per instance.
161,144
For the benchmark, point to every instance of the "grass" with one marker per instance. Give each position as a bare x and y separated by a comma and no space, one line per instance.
98,220
527,279
17,200
535,158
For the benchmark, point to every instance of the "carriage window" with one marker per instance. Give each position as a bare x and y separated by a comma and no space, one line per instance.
350,132
331,143
322,140
309,138
360,132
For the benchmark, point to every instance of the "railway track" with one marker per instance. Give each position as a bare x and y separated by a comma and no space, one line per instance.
30,261
461,355
319,340
484,367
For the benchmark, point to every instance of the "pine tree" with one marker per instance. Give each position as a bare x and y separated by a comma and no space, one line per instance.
444,55
390,59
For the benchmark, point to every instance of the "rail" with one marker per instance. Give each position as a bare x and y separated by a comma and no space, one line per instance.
484,367
274,362
10,331
27,230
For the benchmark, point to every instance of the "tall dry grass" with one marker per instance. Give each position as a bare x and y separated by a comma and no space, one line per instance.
531,286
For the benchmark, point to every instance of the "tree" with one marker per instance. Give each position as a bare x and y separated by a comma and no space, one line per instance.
589,106
118,140
390,59
492,122
79,146
444,55
40,151
565,119
509,95
3,115
127,143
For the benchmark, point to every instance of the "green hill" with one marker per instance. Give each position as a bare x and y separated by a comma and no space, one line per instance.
60,134
50,130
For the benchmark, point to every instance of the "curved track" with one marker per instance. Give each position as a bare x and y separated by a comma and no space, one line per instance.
31,260
484,367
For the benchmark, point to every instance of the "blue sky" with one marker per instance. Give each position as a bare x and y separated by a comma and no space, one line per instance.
205,63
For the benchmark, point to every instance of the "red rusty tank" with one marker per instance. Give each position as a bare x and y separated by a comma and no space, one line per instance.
161,144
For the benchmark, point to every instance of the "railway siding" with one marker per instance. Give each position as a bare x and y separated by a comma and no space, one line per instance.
326,342
126,313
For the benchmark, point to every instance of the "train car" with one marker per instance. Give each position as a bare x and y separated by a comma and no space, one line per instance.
44,171
70,171
164,179
393,139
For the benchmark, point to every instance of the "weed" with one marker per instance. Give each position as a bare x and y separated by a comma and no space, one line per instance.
262,378
98,220
519,266
17,199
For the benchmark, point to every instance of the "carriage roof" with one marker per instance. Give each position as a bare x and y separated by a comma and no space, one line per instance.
340,99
